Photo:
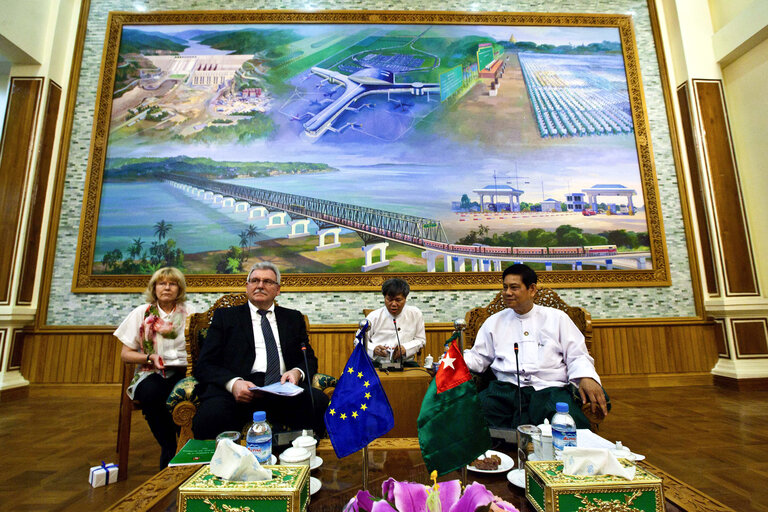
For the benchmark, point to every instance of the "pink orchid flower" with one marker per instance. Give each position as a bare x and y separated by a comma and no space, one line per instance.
412,497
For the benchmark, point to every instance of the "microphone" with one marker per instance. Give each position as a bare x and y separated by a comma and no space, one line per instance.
309,376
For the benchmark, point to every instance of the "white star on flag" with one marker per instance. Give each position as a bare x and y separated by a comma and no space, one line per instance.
448,361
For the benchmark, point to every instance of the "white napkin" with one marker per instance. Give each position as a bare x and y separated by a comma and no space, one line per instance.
593,461
234,462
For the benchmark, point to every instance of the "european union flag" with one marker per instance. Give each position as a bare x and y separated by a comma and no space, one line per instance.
359,411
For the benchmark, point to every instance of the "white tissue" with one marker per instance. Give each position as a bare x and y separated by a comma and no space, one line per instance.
234,462
593,461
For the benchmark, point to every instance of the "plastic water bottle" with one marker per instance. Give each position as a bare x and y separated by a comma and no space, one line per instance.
563,429
259,438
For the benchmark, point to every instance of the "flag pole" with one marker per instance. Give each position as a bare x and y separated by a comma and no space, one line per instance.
365,467
459,325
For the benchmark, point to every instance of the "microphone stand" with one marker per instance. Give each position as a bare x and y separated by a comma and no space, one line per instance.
395,366
309,378
363,326
518,474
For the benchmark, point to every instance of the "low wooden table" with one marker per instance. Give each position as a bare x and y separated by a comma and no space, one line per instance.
399,458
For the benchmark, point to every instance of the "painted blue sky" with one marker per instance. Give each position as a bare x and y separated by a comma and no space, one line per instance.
541,35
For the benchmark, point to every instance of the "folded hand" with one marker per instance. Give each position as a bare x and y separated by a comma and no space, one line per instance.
591,392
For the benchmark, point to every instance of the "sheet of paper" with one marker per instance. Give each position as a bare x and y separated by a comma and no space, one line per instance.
286,389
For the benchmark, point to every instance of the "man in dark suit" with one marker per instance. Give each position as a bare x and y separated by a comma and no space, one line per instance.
257,343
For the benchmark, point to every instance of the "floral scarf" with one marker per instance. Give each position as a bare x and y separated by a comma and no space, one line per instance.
152,329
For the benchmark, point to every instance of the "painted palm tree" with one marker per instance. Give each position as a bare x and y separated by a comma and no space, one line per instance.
136,247
252,233
162,229
244,242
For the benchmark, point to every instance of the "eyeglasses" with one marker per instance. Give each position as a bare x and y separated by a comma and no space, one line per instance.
265,282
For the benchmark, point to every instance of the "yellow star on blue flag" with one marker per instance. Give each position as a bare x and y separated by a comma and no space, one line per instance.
359,411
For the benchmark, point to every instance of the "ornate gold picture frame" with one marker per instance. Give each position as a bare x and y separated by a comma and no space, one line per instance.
350,146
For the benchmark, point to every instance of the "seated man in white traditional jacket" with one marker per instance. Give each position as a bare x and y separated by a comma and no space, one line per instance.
552,356
396,329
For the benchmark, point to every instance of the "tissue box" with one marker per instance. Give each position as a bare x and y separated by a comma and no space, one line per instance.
549,490
288,491
103,475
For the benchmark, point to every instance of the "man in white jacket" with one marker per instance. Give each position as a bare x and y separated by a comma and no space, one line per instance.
552,356
396,330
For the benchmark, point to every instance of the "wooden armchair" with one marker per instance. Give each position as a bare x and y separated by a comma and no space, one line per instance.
183,401
544,297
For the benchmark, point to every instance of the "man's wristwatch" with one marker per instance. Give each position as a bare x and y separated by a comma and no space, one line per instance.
149,360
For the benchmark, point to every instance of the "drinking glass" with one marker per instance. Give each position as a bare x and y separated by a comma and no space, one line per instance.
528,436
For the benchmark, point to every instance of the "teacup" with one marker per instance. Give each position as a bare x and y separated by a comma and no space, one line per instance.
232,435
295,456
307,442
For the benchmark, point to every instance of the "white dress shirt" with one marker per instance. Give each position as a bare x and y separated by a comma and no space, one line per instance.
410,324
260,361
552,351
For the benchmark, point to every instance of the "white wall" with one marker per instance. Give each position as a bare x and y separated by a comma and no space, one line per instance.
745,82
22,25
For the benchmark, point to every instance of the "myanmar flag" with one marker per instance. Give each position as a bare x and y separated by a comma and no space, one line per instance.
359,411
452,429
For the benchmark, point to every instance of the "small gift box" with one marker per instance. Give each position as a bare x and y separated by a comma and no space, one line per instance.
103,475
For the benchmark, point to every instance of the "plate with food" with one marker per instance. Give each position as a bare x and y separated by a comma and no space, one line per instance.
492,462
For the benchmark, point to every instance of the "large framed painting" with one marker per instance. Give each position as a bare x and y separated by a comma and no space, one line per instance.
351,146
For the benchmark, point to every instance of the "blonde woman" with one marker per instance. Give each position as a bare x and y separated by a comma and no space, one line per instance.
153,338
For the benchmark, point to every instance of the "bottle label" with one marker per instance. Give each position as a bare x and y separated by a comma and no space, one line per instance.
261,448
562,437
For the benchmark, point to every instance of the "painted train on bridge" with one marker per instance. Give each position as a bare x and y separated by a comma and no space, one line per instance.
587,250
480,250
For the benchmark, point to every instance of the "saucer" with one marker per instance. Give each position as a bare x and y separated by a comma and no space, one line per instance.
517,478
316,462
314,485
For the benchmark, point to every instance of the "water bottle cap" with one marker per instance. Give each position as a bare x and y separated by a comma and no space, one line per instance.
259,416
561,407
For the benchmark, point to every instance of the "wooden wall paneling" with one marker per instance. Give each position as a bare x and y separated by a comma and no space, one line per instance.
15,155
684,349
3,337
699,196
735,247
750,336
625,355
705,348
17,349
625,362
39,193
105,361
676,349
658,351
721,339
70,370
56,364
28,355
